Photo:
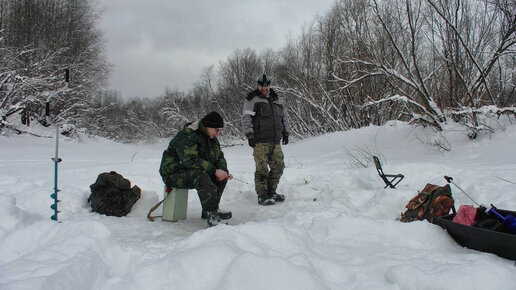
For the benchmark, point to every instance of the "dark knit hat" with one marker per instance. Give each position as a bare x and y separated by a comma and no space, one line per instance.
212,120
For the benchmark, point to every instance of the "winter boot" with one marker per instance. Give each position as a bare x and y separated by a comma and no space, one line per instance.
214,219
265,199
277,197
223,214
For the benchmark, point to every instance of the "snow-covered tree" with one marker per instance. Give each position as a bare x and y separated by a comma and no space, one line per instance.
39,40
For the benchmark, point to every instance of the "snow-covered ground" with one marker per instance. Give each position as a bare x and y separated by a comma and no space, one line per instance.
336,230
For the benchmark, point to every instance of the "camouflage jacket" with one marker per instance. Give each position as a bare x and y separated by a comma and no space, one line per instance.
192,148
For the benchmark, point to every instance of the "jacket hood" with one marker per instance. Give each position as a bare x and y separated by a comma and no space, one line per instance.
197,125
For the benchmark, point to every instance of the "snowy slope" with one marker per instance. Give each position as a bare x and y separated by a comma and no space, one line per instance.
347,238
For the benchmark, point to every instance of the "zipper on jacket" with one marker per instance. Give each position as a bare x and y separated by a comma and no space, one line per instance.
273,118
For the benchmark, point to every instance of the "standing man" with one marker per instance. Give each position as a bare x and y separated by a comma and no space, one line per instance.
265,124
194,159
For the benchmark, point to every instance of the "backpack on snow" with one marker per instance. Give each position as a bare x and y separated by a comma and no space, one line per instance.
112,195
432,202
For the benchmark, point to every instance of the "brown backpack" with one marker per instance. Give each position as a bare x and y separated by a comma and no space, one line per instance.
432,202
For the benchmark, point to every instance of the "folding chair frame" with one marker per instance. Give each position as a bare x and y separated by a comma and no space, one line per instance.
387,178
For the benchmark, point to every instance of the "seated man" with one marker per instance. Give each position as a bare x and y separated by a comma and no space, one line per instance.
194,159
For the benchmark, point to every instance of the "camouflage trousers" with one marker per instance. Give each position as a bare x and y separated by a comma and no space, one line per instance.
208,187
268,158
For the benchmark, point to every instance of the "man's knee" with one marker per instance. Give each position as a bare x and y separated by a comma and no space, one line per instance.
208,191
277,163
277,167
204,181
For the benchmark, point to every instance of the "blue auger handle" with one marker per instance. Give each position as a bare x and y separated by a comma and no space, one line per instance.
509,221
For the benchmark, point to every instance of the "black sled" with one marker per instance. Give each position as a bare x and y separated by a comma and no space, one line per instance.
491,240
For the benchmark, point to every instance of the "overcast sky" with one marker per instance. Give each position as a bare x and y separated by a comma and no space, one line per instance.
154,44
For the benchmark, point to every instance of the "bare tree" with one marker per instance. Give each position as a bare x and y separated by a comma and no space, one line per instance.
39,40
435,59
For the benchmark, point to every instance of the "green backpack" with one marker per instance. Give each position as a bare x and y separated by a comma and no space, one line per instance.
112,195
432,202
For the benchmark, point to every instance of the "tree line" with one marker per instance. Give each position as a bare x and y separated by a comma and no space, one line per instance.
364,62
38,41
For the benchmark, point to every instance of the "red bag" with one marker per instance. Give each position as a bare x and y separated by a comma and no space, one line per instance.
466,215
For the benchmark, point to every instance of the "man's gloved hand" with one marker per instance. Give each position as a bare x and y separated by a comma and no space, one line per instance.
251,140
285,139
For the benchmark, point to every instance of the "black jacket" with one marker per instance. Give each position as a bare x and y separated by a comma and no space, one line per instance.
264,117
